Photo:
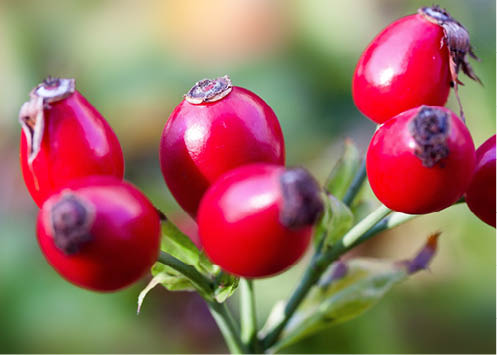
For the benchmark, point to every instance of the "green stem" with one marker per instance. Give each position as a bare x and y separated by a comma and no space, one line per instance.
365,225
318,265
228,327
201,283
248,317
219,311
355,185
311,276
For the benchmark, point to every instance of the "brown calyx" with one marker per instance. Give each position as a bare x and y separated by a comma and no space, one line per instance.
31,115
71,219
457,38
209,90
302,203
430,129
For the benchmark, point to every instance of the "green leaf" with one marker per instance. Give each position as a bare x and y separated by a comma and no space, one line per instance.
179,245
174,281
350,288
226,285
340,299
275,317
336,221
344,171
167,277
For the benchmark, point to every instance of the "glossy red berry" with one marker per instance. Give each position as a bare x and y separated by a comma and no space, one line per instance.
99,233
480,196
408,64
216,128
421,161
256,220
64,137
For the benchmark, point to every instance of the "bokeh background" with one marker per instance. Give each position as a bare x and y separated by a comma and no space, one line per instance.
133,60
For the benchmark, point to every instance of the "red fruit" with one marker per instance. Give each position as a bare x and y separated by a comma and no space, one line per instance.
64,137
256,220
99,233
408,64
421,161
480,196
216,128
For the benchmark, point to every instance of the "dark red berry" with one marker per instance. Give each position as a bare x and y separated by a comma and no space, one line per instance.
216,128
480,196
421,161
64,137
99,233
412,62
256,220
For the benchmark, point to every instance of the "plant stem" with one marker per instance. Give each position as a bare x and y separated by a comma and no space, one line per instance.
355,185
228,327
318,265
219,311
202,283
248,317
366,224
311,276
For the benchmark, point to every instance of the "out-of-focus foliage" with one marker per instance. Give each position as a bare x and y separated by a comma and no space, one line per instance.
134,60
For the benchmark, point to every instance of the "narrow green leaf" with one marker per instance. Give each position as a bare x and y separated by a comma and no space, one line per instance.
154,282
338,300
179,245
167,277
205,266
226,286
275,317
336,221
350,288
174,281
344,171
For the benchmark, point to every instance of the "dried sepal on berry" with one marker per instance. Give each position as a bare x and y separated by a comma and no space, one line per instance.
31,115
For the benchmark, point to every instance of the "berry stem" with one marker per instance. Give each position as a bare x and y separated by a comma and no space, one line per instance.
356,184
227,326
202,284
248,317
319,263
219,311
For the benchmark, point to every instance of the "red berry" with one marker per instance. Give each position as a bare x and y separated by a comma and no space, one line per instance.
64,137
99,233
480,196
408,64
256,220
421,161
216,128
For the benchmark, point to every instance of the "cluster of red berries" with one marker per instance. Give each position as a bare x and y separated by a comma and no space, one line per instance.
422,157
222,155
95,229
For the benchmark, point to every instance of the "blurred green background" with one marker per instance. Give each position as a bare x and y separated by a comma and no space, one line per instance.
133,60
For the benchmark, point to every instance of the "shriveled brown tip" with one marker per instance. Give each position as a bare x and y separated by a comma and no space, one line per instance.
31,115
425,255
302,203
71,219
54,89
457,39
429,129
209,90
